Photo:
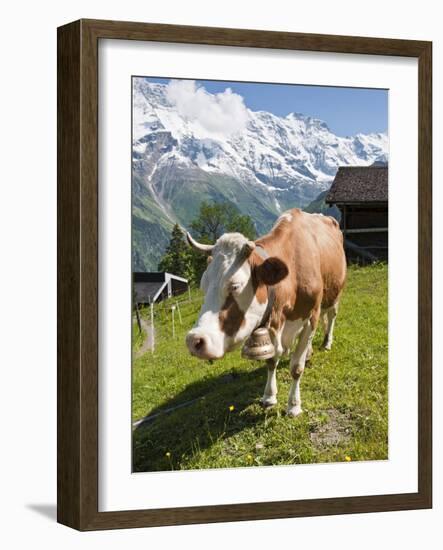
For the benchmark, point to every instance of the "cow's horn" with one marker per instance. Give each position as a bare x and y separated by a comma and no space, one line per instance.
207,248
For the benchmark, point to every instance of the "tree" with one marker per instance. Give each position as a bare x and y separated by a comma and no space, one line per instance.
177,257
213,220
218,218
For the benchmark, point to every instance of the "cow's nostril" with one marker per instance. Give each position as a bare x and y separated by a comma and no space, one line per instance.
198,343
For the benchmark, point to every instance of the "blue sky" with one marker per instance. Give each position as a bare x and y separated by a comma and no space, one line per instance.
347,111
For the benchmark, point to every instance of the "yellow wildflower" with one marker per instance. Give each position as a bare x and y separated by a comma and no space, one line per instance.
231,408
348,458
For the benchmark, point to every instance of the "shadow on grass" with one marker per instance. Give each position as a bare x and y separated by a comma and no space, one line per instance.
198,417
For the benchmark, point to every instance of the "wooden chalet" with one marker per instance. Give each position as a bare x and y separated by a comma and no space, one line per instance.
361,195
151,287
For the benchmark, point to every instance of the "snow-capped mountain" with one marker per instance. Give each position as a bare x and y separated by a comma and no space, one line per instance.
261,162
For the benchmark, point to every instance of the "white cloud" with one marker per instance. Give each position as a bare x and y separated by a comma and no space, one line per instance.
223,113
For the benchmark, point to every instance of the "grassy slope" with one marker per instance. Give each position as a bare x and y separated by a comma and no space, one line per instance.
344,395
183,191
197,186
151,228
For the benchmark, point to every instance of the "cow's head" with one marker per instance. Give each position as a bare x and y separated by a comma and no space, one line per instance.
236,295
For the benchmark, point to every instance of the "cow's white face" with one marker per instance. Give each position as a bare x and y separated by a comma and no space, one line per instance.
233,307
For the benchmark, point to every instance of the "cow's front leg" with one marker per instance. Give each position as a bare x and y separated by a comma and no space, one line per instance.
269,398
297,366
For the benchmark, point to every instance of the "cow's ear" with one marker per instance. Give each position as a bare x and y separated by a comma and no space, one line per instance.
271,271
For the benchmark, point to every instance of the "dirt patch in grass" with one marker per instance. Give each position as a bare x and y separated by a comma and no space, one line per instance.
336,430
146,343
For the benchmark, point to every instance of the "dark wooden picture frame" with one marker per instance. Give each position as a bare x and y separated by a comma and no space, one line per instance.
77,173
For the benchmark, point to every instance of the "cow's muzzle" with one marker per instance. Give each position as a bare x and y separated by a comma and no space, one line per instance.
200,346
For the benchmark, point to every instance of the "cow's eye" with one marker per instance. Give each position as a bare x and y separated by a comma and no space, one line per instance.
235,287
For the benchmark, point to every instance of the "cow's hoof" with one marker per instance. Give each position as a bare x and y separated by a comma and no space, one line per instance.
326,346
294,411
267,402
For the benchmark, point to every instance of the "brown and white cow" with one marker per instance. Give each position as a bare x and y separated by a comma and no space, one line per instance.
303,259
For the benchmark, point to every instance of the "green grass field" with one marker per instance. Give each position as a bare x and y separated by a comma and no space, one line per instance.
209,416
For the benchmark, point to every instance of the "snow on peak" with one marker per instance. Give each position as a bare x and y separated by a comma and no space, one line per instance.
217,133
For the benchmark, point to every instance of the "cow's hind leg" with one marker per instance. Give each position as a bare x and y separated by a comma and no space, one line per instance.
329,316
270,394
297,365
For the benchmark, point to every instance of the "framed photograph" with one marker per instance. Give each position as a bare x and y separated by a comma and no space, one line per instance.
244,275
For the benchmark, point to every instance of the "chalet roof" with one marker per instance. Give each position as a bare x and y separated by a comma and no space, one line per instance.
147,292
149,286
359,184
155,277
